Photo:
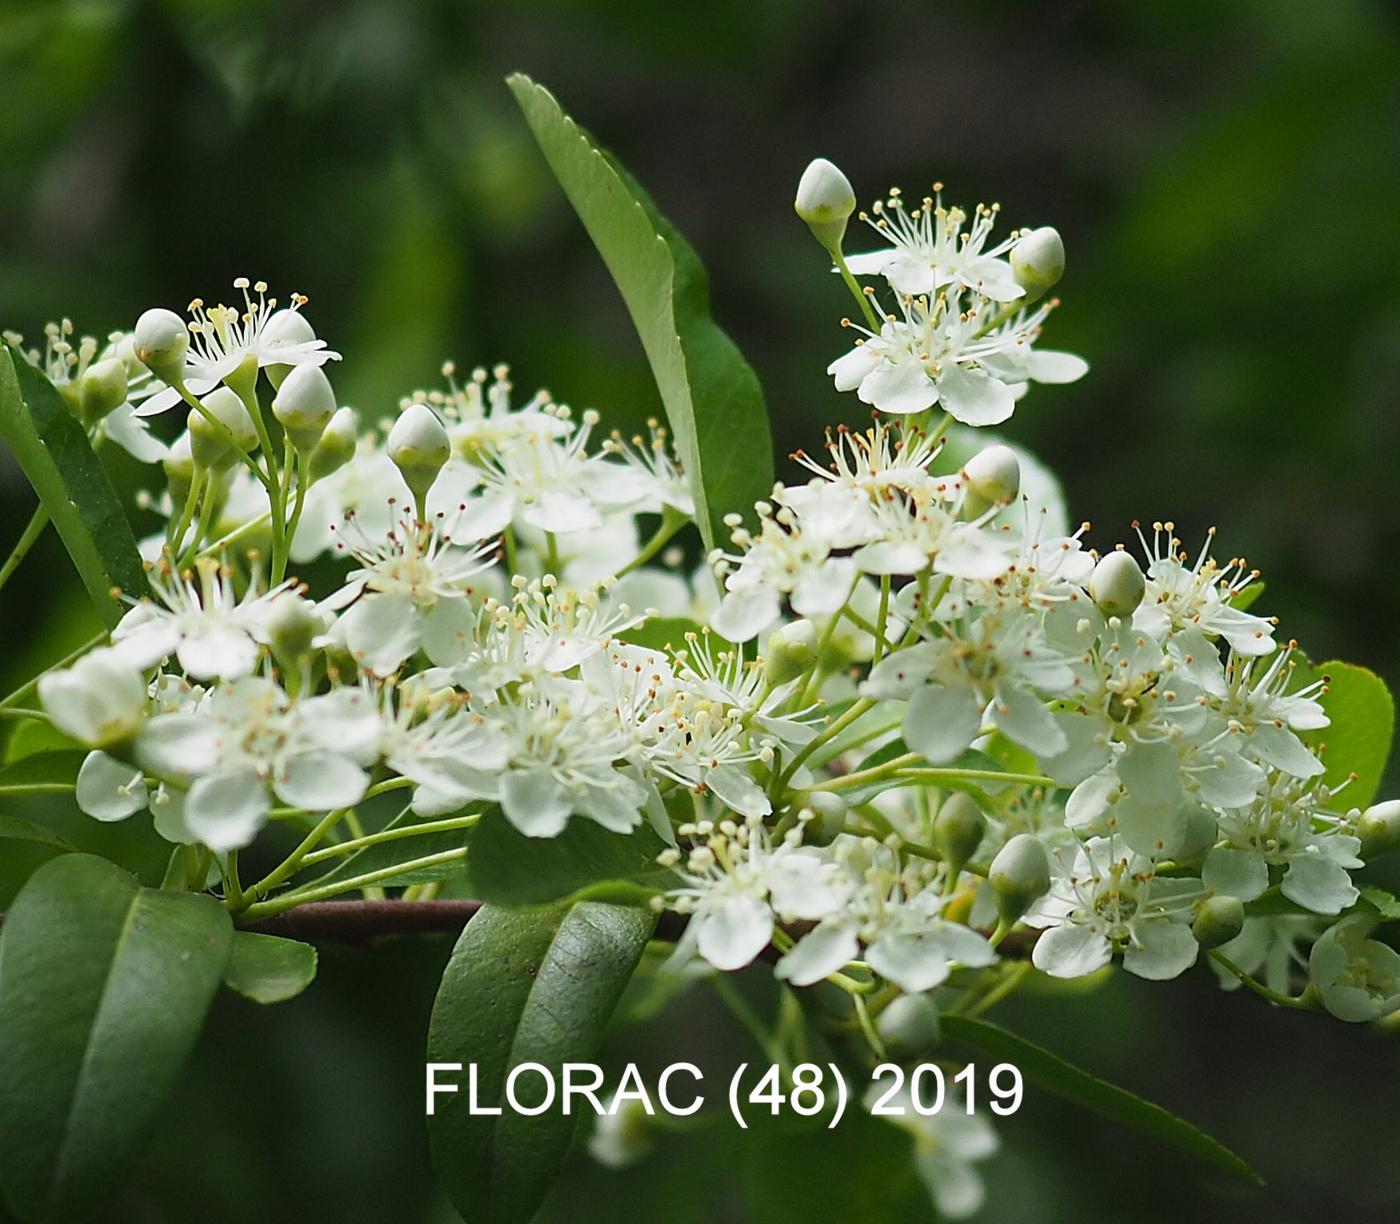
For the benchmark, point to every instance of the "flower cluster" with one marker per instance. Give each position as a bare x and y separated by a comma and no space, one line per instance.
905,729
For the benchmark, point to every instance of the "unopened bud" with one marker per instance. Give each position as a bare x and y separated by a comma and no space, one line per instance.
209,438
825,200
336,446
419,446
1379,828
1117,584
1020,874
285,327
909,1025
304,404
1218,920
101,390
828,817
291,625
791,652
957,830
160,343
993,477
1038,261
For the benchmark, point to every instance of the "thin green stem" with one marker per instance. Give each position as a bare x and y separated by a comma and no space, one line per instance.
828,631
32,531
175,528
226,436
881,621
24,712
304,896
871,318
1009,984
551,553
671,522
746,1016
388,835
208,504
1300,1003
302,465
838,725
867,1026
37,788
288,867
233,886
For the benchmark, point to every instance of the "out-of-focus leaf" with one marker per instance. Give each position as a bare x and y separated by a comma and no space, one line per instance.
1069,1082
712,396
36,735
43,772
53,450
1363,724
103,990
268,968
522,986
508,868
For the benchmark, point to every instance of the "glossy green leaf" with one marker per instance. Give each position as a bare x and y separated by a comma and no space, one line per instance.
1363,724
36,735
268,968
103,989
72,485
385,855
508,868
712,397
660,632
1070,1083
522,986
43,772
13,829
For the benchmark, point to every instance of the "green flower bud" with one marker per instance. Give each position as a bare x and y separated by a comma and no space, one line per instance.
1020,874
291,626
828,817
791,652
1038,261
160,343
336,446
958,830
209,444
101,390
993,478
1379,829
419,446
1117,584
825,200
1218,920
285,327
304,404
909,1026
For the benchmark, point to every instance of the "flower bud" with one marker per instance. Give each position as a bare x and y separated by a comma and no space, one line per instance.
791,652
304,404
285,327
1358,979
419,446
909,1026
101,390
1038,261
825,200
1379,828
336,446
290,626
1117,584
160,342
99,701
828,817
1218,920
993,477
957,831
209,439
179,468
1020,874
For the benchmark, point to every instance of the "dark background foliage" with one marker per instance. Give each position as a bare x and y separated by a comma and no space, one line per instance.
1226,177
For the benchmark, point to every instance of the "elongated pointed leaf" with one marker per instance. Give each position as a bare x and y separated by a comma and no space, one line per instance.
53,450
522,986
103,989
712,396
1065,1080
508,868
268,968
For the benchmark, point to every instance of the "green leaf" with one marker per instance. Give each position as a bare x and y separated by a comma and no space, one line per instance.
13,829
1070,1083
36,735
103,989
1384,903
43,772
660,632
267,968
1248,597
522,986
384,855
508,868
52,448
712,397
1363,724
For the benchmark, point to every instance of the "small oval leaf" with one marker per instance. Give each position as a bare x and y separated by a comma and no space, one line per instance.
268,968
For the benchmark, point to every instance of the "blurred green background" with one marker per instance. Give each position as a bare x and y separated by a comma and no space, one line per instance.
1227,178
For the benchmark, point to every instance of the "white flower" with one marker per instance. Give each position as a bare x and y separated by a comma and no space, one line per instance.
1110,901
200,620
947,1144
449,750
947,354
248,735
916,948
223,337
930,249
649,479
99,701
1358,978
620,1134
